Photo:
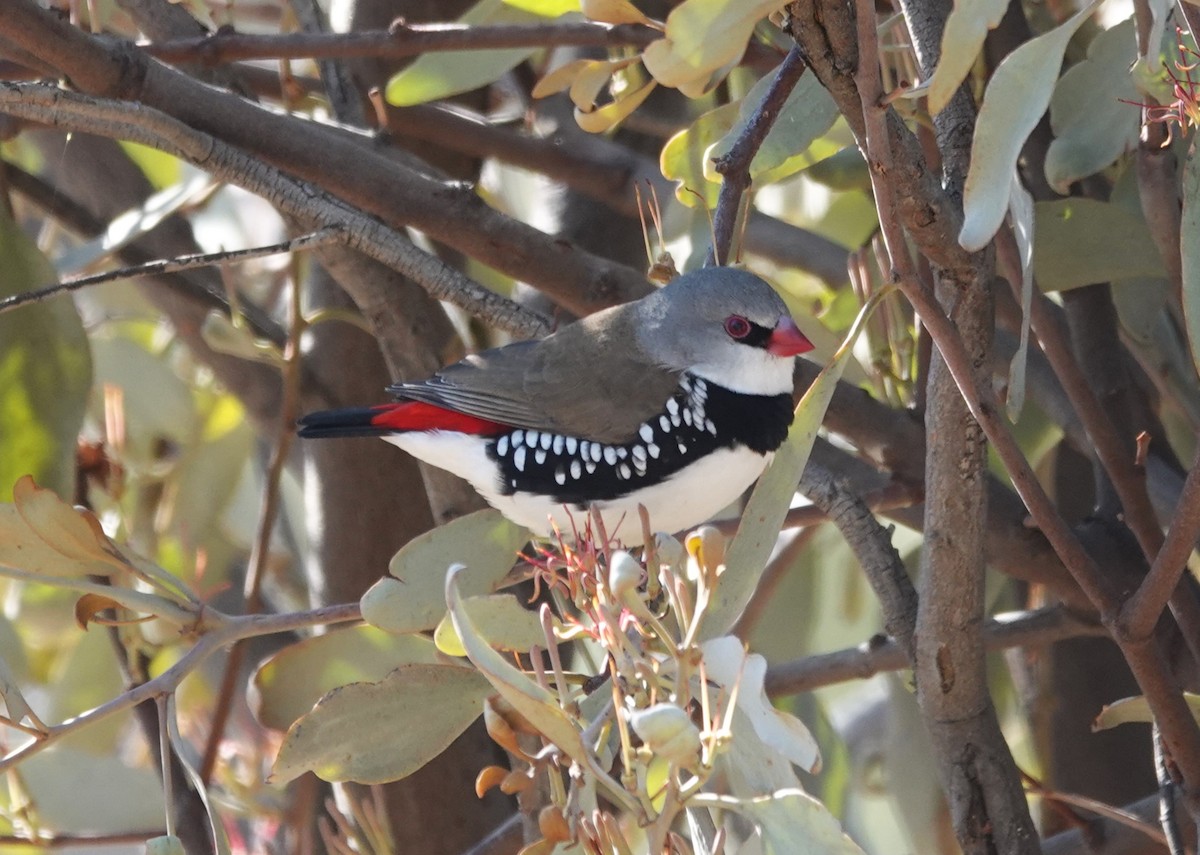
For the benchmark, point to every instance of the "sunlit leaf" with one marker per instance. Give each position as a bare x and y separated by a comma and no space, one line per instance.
90,605
614,12
1093,122
966,28
504,623
768,505
287,684
1137,710
72,532
703,36
440,74
413,597
610,115
806,115
45,371
373,733
1085,241
682,158
530,699
1012,106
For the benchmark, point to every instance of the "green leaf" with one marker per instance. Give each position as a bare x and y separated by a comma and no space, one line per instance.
1189,245
45,371
504,623
1092,123
413,599
966,28
373,733
286,686
807,115
683,157
118,797
791,822
1136,709
768,505
1084,241
1012,106
530,699
702,37
441,74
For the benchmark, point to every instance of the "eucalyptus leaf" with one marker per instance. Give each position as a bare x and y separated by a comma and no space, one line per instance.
1137,710
373,733
288,683
412,598
1090,112
768,505
966,28
45,371
504,623
1012,106
791,822
1189,247
1085,241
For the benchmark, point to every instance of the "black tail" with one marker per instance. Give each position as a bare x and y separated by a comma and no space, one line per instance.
355,421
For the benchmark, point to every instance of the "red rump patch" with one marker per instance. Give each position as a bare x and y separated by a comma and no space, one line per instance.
417,415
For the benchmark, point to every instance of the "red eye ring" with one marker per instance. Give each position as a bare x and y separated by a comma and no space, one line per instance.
737,326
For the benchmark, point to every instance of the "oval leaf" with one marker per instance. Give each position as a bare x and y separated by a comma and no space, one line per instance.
373,733
287,685
703,36
1012,106
413,598
1085,241
966,28
504,623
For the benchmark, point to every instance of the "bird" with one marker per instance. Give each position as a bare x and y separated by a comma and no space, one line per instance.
676,402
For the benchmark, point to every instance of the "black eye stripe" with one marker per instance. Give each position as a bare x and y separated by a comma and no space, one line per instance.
758,335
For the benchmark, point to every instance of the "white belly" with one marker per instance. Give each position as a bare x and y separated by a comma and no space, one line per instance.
682,501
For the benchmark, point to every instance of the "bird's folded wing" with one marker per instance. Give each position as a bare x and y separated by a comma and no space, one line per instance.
560,388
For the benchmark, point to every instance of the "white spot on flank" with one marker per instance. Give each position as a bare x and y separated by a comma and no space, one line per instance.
621,453
558,443
672,406
682,446
531,438
654,450
640,465
624,472
572,444
585,449
576,469
665,424
518,437
610,455
687,417
710,427
675,420
596,450
546,440
502,446
591,467
560,476
540,455
519,459
638,453
646,433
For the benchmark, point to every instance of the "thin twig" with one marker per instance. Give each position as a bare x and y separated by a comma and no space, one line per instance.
312,240
1026,630
138,123
734,166
400,41
230,629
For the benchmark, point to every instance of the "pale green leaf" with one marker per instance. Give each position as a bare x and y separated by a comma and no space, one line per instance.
966,28
45,371
1137,710
440,74
1189,246
807,114
1085,241
703,36
413,599
791,822
530,699
612,114
683,157
768,505
373,733
1093,122
1012,106
502,621
83,792
287,685
1020,211
613,12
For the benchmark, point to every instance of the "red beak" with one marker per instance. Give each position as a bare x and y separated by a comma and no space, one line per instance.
787,340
